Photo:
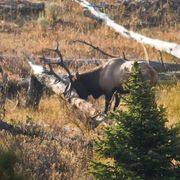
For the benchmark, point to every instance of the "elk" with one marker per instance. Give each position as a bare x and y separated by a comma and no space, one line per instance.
107,79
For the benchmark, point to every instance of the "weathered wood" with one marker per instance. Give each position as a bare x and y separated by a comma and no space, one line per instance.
169,77
59,86
169,47
34,93
149,13
75,63
84,62
169,67
21,7
10,128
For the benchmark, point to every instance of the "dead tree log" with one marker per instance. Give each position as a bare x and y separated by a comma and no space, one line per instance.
23,7
85,62
10,128
34,93
74,63
169,47
84,110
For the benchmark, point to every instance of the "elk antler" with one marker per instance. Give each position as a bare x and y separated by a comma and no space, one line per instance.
94,47
62,64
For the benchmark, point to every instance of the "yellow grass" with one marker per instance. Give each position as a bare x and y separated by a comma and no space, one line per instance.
169,97
52,112
30,40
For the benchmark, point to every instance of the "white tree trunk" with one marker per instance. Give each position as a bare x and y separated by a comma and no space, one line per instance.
169,47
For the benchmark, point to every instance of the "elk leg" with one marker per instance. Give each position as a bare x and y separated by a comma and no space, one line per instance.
107,103
117,101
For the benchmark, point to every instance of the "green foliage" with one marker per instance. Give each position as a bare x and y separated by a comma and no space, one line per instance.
8,160
139,144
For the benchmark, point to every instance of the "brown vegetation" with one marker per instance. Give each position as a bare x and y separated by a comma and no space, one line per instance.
41,157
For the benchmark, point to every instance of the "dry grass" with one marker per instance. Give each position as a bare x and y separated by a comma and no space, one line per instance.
29,39
41,158
169,97
50,111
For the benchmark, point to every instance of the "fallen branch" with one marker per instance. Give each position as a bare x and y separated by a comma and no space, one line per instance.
72,63
171,48
70,142
10,128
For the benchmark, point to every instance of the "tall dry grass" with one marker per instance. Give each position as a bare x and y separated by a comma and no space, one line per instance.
39,157
169,97
72,25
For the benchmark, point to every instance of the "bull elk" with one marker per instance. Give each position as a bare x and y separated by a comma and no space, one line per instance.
107,79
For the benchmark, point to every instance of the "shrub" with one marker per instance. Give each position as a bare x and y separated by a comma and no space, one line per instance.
43,23
8,160
139,145
53,11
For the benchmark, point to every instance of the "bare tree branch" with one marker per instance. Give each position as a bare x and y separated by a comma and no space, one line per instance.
95,47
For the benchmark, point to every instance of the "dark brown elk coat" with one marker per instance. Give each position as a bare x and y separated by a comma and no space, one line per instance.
108,79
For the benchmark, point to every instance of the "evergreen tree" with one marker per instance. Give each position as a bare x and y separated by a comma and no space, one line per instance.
139,144
8,162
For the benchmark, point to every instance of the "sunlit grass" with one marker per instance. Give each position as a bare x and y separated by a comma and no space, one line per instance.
169,97
51,158
51,111
57,113
30,40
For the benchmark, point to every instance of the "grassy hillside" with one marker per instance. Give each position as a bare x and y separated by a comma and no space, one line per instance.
24,37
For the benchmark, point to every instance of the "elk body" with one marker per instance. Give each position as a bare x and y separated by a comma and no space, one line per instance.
105,80
108,79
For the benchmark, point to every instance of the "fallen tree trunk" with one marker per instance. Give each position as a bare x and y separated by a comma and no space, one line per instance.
21,6
83,109
64,140
10,128
84,62
169,47
169,77
75,63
